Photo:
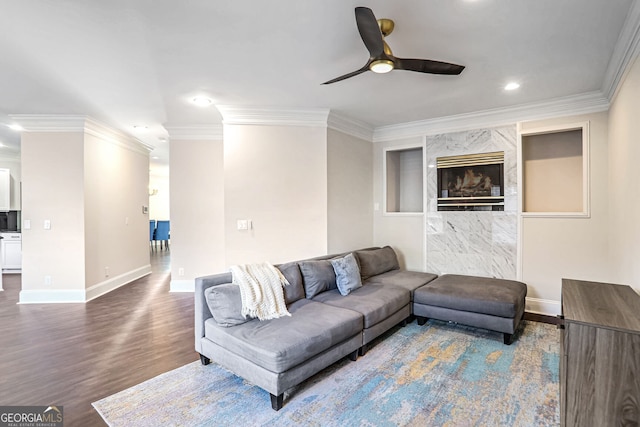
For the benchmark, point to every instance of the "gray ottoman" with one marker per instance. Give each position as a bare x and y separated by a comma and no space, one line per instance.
482,302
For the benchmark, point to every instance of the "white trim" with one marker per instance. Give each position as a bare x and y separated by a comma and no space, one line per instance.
586,177
195,132
590,102
543,306
232,115
350,126
51,296
625,51
79,123
182,286
54,296
113,283
520,224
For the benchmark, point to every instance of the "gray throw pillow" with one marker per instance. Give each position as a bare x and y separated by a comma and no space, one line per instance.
225,304
318,276
294,291
347,274
377,261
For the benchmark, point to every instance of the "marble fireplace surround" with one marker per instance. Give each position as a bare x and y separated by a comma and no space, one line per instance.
482,243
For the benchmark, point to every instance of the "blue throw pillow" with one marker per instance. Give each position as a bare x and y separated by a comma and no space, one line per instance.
347,274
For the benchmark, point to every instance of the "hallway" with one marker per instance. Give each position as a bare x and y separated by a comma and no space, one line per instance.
73,354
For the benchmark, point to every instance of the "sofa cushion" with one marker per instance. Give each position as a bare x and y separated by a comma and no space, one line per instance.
318,276
347,274
295,289
375,302
410,280
377,261
225,304
283,343
497,297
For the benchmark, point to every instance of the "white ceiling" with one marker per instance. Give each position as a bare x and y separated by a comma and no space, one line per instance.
139,62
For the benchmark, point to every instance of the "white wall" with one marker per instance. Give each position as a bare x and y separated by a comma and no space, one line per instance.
275,176
624,196
350,192
402,231
575,248
159,204
197,203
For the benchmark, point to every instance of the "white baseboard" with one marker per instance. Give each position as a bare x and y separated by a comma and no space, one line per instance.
543,306
107,286
182,286
51,296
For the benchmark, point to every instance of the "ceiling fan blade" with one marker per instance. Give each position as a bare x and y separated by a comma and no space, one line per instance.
346,76
369,31
428,66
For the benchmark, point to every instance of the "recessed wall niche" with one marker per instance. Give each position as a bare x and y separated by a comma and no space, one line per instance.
555,171
404,175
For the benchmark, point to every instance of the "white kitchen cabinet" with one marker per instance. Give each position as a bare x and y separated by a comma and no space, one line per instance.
11,252
5,190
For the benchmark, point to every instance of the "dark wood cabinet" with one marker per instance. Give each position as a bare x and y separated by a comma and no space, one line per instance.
599,355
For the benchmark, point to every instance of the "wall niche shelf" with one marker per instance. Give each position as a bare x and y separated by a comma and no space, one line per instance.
404,180
554,172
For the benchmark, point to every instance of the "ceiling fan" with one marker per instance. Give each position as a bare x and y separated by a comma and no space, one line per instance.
381,59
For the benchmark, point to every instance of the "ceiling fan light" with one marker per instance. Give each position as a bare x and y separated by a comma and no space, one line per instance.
381,66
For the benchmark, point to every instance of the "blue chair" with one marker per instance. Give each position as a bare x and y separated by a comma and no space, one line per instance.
152,231
162,233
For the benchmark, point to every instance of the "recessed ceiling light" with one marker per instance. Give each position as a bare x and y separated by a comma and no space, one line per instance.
512,86
16,127
140,127
202,101
155,157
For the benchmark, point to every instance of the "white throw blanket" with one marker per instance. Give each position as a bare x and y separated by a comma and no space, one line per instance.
261,290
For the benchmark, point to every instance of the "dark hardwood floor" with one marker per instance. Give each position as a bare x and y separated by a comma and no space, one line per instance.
75,354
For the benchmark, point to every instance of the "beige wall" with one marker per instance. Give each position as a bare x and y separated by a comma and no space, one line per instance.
91,187
275,176
116,230
552,172
624,196
350,192
402,231
53,189
554,248
197,206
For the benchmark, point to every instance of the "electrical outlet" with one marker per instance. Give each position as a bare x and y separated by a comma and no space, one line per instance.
106,272
181,271
47,280
243,224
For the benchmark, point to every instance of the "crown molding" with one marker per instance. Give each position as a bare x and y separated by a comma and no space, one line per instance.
232,115
350,126
625,52
195,132
590,102
79,123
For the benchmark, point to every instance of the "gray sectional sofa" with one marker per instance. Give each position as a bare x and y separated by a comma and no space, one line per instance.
325,324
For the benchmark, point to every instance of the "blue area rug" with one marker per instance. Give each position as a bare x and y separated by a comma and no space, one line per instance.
439,374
